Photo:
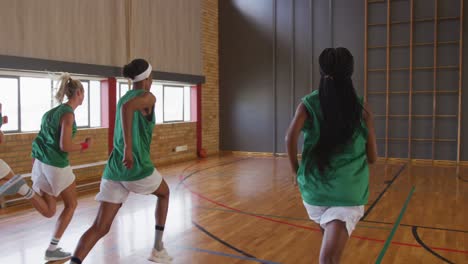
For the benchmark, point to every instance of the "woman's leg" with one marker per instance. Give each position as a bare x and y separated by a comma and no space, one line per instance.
7,177
45,204
100,227
3,179
69,198
159,254
70,201
334,241
162,205
6,173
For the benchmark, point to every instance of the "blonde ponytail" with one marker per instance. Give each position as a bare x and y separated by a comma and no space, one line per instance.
67,87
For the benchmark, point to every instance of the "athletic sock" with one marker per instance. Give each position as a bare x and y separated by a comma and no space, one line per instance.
53,244
158,245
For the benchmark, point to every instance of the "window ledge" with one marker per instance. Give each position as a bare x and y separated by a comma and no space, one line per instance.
35,132
176,123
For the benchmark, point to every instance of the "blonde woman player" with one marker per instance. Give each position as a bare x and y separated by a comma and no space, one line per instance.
52,175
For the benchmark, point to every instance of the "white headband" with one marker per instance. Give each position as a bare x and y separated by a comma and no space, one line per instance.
143,75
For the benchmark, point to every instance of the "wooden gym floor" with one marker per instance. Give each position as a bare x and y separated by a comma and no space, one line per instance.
239,209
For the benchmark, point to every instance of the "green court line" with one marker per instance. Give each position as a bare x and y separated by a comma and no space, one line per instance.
283,217
395,227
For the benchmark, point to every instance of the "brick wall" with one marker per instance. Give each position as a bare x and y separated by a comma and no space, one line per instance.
210,90
168,136
17,149
97,152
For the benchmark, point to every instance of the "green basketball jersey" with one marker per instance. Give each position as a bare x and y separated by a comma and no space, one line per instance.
142,132
348,173
46,146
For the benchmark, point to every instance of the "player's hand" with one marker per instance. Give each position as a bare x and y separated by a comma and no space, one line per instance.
294,179
368,114
128,158
89,141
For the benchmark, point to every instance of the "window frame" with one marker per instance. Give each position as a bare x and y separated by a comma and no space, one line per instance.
119,95
18,75
89,103
183,103
19,102
163,84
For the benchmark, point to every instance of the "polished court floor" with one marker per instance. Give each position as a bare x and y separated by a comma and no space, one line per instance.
240,209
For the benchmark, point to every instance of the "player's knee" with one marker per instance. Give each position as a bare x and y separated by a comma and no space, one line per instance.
102,229
49,213
71,205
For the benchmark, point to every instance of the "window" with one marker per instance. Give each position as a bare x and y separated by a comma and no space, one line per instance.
35,100
187,103
9,93
173,100
25,99
157,90
95,103
173,103
82,112
122,89
176,103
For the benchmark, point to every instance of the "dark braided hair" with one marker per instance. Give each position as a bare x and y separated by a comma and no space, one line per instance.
341,111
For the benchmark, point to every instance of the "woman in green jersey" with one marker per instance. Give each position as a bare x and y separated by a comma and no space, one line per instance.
52,175
339,142
129,168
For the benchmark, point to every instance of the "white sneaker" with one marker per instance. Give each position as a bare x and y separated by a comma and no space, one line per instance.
160,256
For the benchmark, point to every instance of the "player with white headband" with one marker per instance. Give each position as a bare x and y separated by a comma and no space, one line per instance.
129,168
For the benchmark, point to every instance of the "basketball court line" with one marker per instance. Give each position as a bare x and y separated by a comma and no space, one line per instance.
182,179
280,217
395,227
402,168
426,247
226,255
202,229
